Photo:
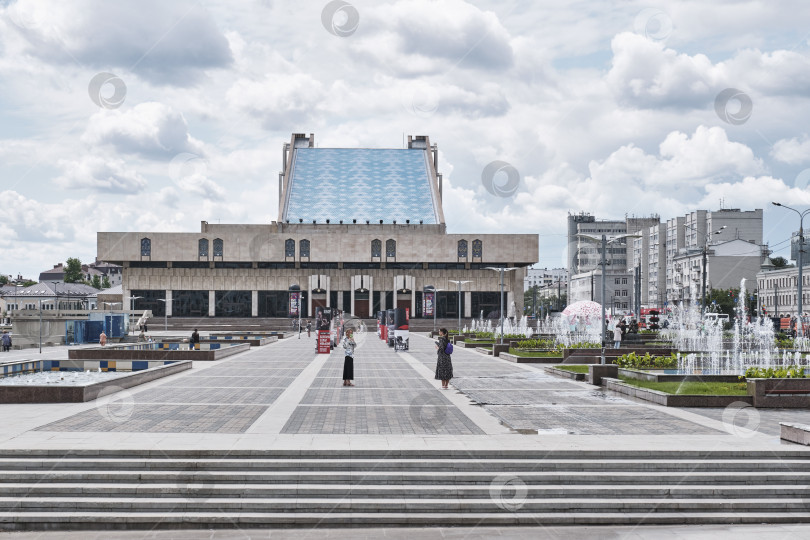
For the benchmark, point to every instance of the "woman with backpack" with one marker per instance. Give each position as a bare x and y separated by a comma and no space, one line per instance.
444,365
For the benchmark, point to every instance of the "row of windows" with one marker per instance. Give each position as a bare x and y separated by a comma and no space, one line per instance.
304,248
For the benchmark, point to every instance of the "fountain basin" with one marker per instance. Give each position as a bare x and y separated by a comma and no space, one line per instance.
159,351
85,391
679,375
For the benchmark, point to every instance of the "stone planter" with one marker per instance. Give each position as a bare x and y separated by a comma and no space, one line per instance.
780,393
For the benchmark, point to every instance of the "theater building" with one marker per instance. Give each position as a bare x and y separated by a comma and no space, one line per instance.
358,229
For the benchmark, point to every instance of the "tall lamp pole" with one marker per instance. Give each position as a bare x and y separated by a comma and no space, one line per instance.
502,271
604,240
703,273
435,292
459,283
165,313
800,305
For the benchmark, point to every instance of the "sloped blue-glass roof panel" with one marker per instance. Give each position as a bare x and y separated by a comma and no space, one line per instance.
360,183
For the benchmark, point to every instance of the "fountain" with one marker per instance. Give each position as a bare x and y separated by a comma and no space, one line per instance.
707,348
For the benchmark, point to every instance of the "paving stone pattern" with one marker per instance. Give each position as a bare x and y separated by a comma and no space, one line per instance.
227,398
390,397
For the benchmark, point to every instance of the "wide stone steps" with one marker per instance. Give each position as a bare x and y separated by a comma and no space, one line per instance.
177,520
202,502
412,465
210,489
223,490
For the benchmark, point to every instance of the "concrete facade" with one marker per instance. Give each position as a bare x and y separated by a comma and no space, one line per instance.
333,264
778,291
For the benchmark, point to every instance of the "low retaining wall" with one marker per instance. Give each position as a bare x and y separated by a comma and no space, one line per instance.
673,400
531,359
79,394
551,370
596,372
797,433
253,341
111,353
780,393
652,376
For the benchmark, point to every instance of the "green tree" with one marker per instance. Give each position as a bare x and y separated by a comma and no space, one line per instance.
779,262
96,283
73,270
723,301
28,283
105,283
3,280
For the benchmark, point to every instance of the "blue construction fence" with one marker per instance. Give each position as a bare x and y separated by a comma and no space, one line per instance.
88,331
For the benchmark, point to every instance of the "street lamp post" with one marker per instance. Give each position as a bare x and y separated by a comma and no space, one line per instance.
604,240
435,292
502,271
703,273
165,313
459,283
132,305
800,305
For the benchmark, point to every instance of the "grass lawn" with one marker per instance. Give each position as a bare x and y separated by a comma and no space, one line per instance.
535,354
576,368
692,388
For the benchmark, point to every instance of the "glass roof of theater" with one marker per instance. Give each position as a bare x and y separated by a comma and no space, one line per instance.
360,183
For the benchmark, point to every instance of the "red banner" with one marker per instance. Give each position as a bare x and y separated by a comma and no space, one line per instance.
324,342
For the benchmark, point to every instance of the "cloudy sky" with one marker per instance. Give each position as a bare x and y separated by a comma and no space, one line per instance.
153,115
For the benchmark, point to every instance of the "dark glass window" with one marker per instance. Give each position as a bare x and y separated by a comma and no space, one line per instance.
189,303
404,266
276,265
390,248
487,302
202,247
320,265
218,247
462,249
149,300
361,266
146,247
191,264
478,249
289,248
274,303
447,304
233,304
445,266
147,264
231,264
376,248
303,248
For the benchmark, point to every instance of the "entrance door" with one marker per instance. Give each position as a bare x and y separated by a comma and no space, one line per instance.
361,308
404,301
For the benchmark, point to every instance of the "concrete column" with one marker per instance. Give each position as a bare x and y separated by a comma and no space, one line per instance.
371,311
468,304
254,303
328,291
309,296
168,303
212,302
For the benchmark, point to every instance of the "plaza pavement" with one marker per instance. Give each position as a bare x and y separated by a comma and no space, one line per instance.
285,396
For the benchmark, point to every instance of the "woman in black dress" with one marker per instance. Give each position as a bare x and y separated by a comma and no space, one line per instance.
348,361
444,365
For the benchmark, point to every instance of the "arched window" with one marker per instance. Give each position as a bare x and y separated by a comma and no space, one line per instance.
478,249
218,247
462,249
390,248
289,248
303,248
376,248
202,247
146,247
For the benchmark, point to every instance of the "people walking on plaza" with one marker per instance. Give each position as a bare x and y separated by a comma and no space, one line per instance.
617,336
195,338
444,364
102,338
309,328
348,361
6,339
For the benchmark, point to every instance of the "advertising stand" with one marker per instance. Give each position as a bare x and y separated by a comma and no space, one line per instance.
401,331
323,321
389,327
